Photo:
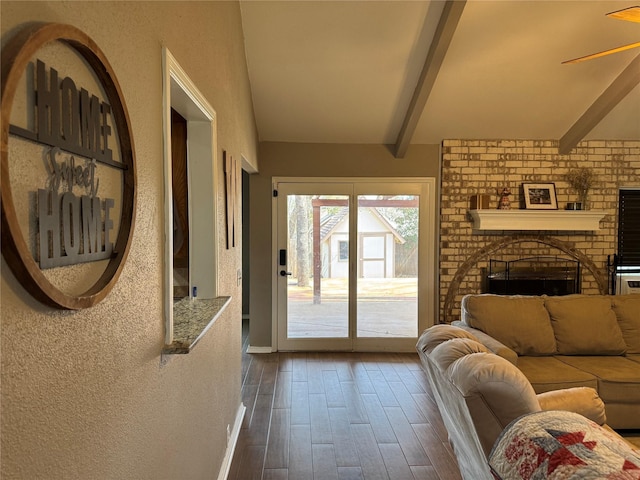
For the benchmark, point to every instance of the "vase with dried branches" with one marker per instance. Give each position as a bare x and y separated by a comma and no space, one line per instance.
581,180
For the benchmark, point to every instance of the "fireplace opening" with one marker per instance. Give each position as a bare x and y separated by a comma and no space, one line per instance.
533,276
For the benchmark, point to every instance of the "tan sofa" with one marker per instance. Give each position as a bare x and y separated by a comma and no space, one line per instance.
567,341
479,394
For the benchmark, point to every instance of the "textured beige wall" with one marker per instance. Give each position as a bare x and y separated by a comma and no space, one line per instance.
313,160
86,394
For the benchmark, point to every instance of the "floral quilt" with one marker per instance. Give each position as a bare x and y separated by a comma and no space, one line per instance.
562,445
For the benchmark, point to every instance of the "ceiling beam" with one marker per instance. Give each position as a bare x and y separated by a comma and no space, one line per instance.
619,88
441,39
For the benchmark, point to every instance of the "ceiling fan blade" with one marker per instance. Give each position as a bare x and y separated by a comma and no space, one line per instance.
632,14
603,53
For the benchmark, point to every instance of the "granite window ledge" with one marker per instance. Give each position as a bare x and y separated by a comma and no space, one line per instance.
191,320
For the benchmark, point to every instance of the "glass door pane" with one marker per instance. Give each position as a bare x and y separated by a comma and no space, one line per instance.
387,279
318,261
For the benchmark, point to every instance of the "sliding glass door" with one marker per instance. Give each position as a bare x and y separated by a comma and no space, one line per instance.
352,258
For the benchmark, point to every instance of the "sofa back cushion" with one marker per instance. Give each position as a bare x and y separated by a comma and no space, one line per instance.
520,322
627,310
585,325
437,334
448,352
495,393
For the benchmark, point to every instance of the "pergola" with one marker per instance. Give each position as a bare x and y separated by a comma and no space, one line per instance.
317,203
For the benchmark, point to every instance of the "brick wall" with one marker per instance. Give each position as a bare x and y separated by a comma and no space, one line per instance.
472,167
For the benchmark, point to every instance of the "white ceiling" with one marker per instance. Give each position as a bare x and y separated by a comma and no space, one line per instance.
345,71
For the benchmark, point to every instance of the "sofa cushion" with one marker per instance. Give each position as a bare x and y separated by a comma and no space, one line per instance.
633,356
549,373
492,344
435,335
618,377
582,400
519,322
585,325
451,350
494,390
627,310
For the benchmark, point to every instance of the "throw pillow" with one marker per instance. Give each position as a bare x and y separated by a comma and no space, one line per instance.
585,325
519,322
627,310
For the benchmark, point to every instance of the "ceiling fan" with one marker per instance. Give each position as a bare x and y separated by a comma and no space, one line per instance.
631,14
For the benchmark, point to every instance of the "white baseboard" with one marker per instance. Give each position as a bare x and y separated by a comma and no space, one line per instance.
251,349
231,444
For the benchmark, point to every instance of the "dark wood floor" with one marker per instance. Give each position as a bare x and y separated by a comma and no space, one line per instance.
341,416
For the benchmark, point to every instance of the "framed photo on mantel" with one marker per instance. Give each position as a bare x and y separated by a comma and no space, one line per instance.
539,196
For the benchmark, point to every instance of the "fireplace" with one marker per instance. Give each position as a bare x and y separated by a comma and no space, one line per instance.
533,276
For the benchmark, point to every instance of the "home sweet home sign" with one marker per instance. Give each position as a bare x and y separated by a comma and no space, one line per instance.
68,173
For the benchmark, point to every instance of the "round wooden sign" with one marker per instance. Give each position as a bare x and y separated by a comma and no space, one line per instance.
68,175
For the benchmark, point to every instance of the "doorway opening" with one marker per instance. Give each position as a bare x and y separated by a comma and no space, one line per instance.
353,263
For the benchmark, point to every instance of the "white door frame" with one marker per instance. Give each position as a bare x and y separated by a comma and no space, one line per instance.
426,261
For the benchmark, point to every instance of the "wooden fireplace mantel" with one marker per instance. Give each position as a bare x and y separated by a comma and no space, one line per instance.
515,220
